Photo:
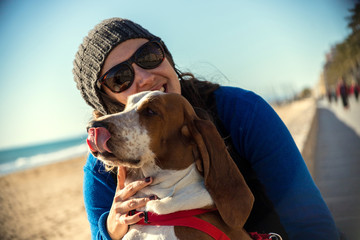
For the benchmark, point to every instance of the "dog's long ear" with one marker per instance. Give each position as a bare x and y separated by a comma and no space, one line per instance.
223,179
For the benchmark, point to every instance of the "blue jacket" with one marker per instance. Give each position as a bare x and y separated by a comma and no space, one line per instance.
262,139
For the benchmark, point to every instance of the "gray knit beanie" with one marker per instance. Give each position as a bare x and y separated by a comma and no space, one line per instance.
92,53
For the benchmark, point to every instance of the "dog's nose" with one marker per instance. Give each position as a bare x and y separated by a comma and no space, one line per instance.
98,136
96,124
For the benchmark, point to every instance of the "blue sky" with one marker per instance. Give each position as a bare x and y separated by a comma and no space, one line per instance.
272,47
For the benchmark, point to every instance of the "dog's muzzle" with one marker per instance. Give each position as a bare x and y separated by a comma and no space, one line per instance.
97,139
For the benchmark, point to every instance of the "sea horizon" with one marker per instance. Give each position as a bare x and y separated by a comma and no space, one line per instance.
20,158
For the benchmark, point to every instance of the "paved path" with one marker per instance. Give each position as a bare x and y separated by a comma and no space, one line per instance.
337,164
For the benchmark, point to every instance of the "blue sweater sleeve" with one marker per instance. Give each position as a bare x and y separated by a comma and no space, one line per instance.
99,189
261,138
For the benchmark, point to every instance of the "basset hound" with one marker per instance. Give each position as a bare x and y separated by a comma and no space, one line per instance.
159,135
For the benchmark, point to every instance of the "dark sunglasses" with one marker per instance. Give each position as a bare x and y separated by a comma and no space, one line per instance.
121,76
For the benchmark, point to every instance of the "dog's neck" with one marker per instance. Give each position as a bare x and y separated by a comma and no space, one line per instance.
176,189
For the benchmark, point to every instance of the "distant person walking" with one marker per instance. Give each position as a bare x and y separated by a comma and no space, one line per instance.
342,90
355,89
328,94
331,94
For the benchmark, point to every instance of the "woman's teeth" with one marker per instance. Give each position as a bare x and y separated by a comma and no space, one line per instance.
162,89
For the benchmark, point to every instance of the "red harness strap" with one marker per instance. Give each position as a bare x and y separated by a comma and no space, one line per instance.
186,219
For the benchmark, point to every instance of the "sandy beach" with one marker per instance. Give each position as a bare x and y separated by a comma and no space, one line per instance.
44,203
47,202
301,119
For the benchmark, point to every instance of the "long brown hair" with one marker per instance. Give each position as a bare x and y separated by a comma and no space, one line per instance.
199,93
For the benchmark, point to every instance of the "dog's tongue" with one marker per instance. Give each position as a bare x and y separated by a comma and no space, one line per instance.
97,139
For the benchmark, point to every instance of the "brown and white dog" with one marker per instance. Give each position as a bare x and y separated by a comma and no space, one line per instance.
159,135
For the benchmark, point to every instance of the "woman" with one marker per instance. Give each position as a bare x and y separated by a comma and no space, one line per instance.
113,62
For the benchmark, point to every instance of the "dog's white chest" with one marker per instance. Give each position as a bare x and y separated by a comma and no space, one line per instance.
140,232
177,190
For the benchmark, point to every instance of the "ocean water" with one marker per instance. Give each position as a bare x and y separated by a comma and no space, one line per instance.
21,158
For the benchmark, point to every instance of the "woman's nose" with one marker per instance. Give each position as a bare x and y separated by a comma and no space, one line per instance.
143,77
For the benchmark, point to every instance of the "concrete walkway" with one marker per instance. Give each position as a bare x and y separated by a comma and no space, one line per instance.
337,164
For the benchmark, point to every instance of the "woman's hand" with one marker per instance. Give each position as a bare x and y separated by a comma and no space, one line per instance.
118,220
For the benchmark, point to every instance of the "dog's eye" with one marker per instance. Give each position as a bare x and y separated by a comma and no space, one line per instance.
150,112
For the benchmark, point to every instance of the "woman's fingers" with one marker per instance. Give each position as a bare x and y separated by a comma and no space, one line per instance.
121,176
132,188
119,218
136,203
128,220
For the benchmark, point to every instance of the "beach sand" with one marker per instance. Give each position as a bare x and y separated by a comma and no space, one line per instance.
301,119
44,203
47,202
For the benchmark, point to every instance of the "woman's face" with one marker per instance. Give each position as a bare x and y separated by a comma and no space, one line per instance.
162,78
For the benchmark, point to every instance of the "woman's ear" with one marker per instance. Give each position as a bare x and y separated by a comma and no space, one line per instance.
222,177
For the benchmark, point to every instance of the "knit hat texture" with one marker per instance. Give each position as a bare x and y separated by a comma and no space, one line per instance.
93,51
